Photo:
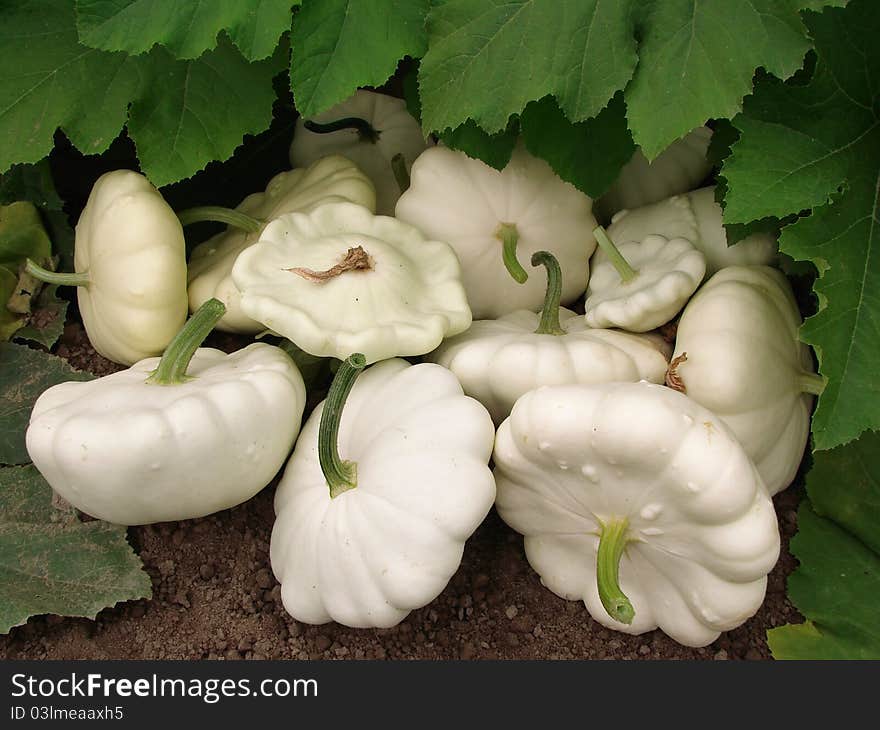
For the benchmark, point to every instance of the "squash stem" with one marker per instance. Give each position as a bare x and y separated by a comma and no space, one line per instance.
81,278
341,475
812,383
176,358
366,131
398,167
612,542
627,272
509,237
549,324
219,214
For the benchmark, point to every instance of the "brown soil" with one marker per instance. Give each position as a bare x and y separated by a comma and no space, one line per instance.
214,597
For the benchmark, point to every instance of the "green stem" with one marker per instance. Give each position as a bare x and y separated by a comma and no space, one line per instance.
550,313
812,383
80,278
612,541
509,237
627,272
398,167
175,360
366,131
219,214
340,475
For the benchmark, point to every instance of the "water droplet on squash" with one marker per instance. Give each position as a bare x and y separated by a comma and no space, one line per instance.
589,471
651,511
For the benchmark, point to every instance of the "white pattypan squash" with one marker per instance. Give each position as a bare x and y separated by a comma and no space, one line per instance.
130,264
640,502
380,495
491,218
697,217
369,129
332,179
679,168
194,433
641,285
340,280
739,356
498,360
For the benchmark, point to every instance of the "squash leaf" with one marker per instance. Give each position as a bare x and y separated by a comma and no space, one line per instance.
186,29
818,146
339,45
50,562
24,375
837,585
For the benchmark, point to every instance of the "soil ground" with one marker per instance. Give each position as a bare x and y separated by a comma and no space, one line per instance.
214,597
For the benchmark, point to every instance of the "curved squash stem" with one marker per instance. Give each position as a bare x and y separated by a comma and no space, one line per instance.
812,383
509,237
612,542
549,324
81,278
341,475
627,272
219,214
175,360
366,131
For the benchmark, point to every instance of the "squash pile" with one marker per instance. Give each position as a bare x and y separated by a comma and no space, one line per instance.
636,445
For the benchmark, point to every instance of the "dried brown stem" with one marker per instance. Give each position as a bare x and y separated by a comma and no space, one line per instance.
673,379
355,259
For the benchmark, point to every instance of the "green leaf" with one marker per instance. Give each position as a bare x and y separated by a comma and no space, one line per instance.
837,585
183,115
587,154
46,320
486,60
339,45
30,182
493,149
844,486
697,60
50,81
52,563
192,112
34,182
24,375
800,144
187,29
22,236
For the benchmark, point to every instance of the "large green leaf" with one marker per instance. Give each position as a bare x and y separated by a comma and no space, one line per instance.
799,145
697,59
339,45
187,28
24,375
487,59
184,114
588,154
51,81
50,562
837,585
192,112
